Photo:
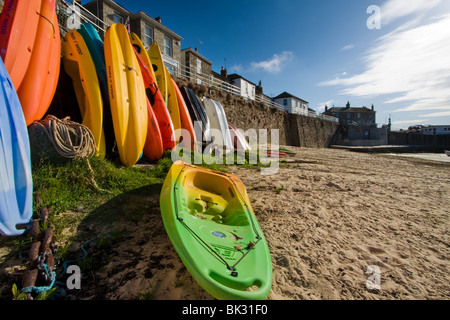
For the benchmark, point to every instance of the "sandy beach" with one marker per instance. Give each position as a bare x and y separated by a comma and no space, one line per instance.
328,216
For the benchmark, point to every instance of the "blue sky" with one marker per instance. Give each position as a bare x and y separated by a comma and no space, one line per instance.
324,52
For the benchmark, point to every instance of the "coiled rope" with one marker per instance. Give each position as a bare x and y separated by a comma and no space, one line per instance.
71,139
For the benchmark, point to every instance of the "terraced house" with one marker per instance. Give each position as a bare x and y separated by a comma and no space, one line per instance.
147,28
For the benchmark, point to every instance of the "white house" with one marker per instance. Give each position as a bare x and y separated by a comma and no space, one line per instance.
292,104
247,88
436,130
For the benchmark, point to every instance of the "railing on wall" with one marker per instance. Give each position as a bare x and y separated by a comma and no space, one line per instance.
194,76
268,102
71,15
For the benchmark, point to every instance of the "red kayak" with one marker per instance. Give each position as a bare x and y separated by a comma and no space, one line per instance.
153,147
159,106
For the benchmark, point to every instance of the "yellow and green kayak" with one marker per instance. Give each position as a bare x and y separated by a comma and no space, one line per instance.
209,219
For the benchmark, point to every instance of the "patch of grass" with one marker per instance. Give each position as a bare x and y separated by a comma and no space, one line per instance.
278,190
179,282
148,295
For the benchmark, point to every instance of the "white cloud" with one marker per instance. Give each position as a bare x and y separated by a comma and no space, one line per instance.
274,64
347,47
437,114
395,9
408,122
321,106
238,68
411,64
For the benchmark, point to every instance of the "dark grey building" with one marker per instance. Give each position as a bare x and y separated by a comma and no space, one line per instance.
357,116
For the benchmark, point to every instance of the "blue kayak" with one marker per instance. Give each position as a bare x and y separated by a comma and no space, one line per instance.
96,49
16,184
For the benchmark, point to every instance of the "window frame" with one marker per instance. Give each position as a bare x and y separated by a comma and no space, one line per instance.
168,50
146,36
122,20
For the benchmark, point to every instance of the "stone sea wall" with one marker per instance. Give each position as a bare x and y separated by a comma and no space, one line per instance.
294,130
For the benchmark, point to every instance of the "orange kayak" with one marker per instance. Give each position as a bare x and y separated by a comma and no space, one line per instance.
19,24
158,105
186,121
38,86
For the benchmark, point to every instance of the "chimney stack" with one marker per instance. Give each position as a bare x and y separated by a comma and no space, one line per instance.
158,19
224,72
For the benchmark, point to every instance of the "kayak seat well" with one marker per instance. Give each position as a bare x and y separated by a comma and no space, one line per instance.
213,199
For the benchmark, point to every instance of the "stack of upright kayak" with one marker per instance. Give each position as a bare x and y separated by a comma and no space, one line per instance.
154,94
133,105
131,111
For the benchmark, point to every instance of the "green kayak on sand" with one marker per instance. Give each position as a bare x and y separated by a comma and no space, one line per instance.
208,218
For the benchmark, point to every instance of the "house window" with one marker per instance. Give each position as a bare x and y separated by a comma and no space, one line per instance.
359,115
148,37
199,66
171,68
117,18
168,46
285,102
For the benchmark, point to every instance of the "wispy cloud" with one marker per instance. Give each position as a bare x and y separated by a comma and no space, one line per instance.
347,47
408,122
437,114
399,124
410,64
238,68
395,9
273,65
